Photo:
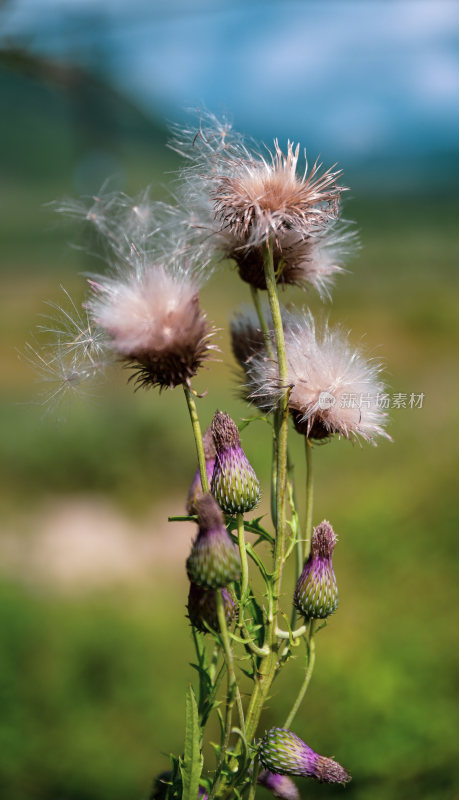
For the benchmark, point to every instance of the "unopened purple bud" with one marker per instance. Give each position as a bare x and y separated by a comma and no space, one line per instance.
214,561
316,593
234,482
195,490
202,608
284,753
280,785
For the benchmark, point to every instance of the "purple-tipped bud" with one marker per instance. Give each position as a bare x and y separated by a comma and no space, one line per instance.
213,561
282,752
202,608
280,785
196,488
316,593
234,483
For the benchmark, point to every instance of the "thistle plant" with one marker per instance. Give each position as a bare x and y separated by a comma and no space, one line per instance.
280,226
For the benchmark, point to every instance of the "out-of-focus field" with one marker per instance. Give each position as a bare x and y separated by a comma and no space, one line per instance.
94,643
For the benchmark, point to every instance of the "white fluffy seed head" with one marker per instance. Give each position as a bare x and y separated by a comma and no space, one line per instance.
262,198
332,388
155,323
238,197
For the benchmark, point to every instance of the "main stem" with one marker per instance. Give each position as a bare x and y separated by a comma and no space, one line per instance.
268,665
281,429
197,436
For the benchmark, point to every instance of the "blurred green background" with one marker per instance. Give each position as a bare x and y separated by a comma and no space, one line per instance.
94,643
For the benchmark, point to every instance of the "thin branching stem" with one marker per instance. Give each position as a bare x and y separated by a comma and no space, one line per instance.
309,498
197,436
243,555
310,661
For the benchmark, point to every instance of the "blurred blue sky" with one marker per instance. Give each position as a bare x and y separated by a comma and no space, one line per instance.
353,78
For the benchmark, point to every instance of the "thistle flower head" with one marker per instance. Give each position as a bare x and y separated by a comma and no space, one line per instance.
202,608
155,323
259,198
316,593
195,490
234,482
332,387
280,785
281,751
214,561
240,198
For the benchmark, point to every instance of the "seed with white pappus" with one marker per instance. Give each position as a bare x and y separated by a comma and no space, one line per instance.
282,752
214,561
316,593
234,482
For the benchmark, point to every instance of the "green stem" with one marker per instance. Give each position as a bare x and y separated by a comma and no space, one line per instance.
281,428
268,665
233,689
309,497
253,782
243,554
197,436
311,657
262,321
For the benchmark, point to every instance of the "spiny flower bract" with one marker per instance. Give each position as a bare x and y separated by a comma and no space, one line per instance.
316,592
234,482
214,561
283,752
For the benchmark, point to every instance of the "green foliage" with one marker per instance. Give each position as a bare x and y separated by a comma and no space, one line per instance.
192,762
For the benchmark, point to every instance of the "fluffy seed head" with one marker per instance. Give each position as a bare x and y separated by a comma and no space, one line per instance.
214,561
234,482
280,785
333,388
281,751
202,608
260,198
195,490
155,324
238,198
316,593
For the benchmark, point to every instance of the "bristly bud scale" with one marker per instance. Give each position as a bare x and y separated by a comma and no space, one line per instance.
234,482
281,751
214,561
195,490
316,593
202,608
280,785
